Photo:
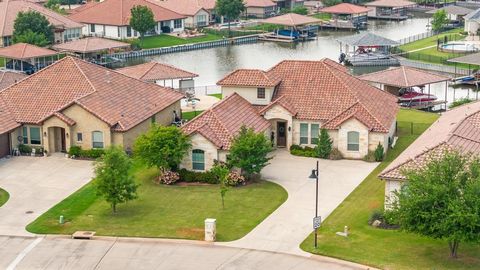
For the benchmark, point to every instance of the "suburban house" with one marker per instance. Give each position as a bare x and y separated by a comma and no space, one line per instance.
457,129
212,131
260,8
65,29
76,103
389,9
472,22
288,3
111,18
196,15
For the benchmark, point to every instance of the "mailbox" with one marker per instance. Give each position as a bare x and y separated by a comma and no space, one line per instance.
210,229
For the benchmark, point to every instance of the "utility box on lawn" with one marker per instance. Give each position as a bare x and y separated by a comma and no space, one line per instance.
210,229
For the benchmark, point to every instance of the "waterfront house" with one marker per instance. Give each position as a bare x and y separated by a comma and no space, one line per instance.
65,29
472,22
346,15
76,103
196,15
455,14
260,8
456,129
111,18
389,9
288,4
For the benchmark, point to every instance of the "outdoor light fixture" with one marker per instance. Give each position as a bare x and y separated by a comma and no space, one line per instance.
316,220
66,134
313,175
44,134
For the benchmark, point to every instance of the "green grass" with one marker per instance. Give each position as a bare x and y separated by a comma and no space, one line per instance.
431,41
3,197
219,96
323,16
190,115
387,249
165,211
167,41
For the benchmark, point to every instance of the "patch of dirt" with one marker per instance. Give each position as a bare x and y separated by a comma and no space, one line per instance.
191,233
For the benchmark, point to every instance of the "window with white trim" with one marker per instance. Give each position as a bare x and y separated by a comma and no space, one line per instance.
261,93
314,132
303,133
198,159
97,139
353,141
35,135
79,137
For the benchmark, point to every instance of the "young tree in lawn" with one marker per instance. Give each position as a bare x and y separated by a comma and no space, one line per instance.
112,178
442,200
34,22
142,20
324,147
249,152
230,9
221,172
439,20
162,147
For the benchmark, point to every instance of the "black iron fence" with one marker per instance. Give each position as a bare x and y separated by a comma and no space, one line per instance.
405,128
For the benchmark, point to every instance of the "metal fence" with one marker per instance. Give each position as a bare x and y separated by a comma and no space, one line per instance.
415,37
207,90
405,128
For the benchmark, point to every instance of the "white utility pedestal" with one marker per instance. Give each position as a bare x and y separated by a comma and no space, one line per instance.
210,229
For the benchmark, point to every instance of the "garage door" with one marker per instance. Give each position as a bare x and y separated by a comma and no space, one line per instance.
4,145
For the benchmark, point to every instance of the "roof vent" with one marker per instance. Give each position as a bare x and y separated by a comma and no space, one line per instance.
108,74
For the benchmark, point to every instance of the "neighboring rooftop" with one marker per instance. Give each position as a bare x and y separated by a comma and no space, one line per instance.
120,101
185,7
118,12
90,44
222,122
154,71
390,3
403,77
457,129
345,8
259,3
291,19
367,39
8,78
249,77
471,59
10,8
474,15
21,51
453,10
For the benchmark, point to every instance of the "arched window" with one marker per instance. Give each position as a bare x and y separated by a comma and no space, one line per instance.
353,141
97,139
198,159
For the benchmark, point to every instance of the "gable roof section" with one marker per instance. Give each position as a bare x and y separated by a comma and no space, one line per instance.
249,78
154,71
10,8
345,8
184,7
474,15
117,12
25,51
7,120
120,101
403,77
8,78
221,123
90,44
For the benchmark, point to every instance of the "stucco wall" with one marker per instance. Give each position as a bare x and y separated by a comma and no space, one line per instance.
471,26
250,94
353,125
390,187
278,113
201,143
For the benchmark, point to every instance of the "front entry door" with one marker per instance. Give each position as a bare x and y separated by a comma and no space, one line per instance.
281,134
62,135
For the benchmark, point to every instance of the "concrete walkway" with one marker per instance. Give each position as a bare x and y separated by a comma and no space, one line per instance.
286,228
36,184
57,252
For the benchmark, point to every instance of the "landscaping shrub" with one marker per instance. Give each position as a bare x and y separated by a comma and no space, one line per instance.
370,157
335,154
235,179
295,147
460,102
200,177
324,144
24,149
303,152
74,151
379,153
385,217
167,177
78,152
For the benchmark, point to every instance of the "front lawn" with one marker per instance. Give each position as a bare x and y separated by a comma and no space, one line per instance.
190,115
387,249
167,40
165,211
3,197
432,41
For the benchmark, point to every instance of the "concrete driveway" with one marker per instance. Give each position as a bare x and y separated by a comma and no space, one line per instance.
35,184
286,228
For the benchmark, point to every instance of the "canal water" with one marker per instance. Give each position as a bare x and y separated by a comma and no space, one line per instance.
213,64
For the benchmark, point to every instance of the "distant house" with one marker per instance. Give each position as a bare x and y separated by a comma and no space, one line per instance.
76,103
260,8
289,4
111,18
472,22
65,29
457,129
389,9
213,131
196,14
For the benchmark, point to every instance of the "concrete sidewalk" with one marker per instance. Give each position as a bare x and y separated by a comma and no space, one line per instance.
61,252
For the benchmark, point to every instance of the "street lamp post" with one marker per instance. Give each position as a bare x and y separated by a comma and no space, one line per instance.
316,219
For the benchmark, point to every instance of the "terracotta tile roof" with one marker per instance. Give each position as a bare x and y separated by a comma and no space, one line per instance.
259,3
117,12
25,51
248,77
69,121
8,78
324,91
154,71
120,101
90,44
281,101
457,129
390,3
403,77
221,123
10,8
7,120
345,8
184,7
292,19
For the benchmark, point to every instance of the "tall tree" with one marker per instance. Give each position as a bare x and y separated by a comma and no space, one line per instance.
162,147
439,20
324,147
34,22
142,20
112,177
37,39
230,10
249,152
442,200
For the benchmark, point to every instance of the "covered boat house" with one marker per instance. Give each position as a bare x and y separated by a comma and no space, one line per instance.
367,49
411,85
389,9
295,28
27,58
346,16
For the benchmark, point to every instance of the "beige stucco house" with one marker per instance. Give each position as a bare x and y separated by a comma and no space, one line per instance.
73,102
260,8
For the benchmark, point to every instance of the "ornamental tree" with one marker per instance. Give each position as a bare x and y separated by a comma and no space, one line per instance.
30,37
142,20
32,21
439,20
162,147
230,9
325,144
442,200
112,178
249,151
221,172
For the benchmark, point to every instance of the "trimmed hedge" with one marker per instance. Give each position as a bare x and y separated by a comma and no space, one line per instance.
78,152
306,151
200,177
